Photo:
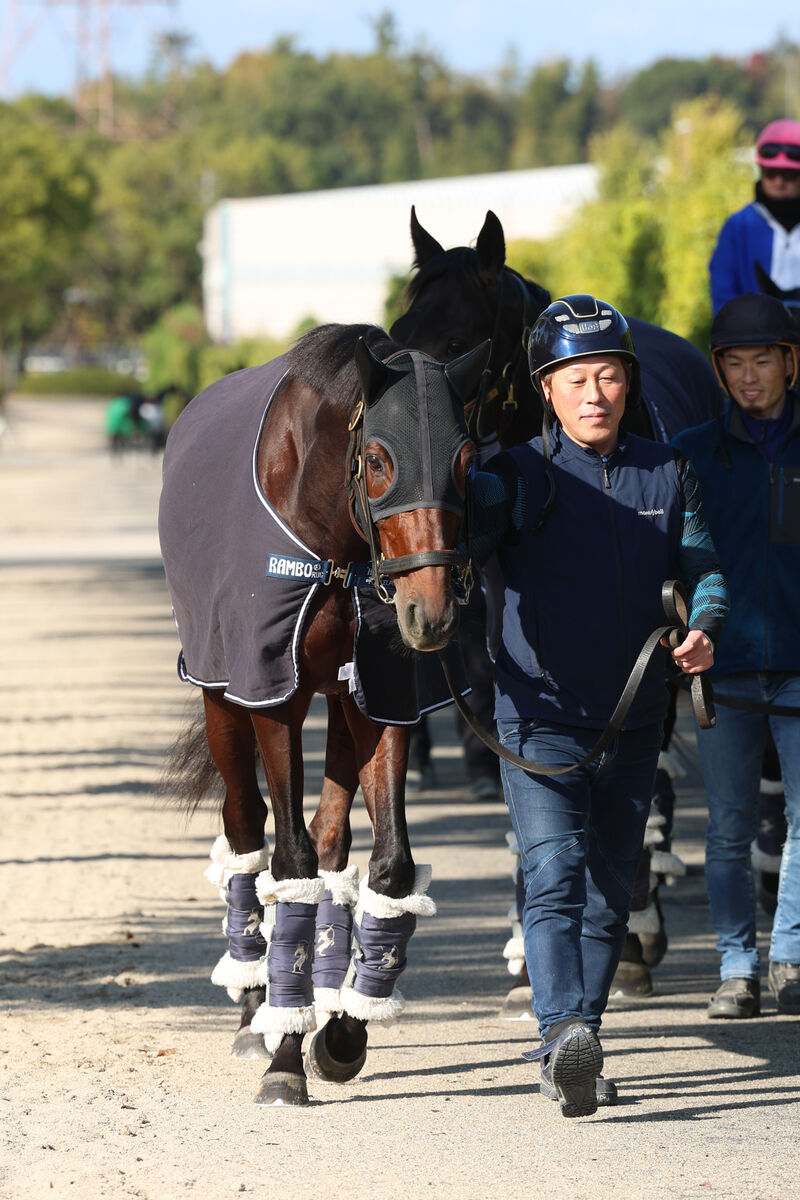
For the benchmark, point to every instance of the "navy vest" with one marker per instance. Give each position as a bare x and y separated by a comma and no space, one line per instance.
583,593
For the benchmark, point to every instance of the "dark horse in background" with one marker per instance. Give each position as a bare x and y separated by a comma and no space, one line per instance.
456,299
460,297
283,485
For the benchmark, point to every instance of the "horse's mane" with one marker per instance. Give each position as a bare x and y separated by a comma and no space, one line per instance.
324,358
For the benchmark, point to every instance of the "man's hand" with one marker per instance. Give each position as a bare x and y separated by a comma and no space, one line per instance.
694,655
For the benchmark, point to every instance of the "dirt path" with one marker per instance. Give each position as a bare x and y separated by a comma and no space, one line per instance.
116,1075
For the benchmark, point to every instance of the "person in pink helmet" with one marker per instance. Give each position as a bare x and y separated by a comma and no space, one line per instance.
766,231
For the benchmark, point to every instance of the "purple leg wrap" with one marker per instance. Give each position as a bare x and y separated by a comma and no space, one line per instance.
381,953
291,949
332,949
246,942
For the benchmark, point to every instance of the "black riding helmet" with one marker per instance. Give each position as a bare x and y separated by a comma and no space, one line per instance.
581,326
752,320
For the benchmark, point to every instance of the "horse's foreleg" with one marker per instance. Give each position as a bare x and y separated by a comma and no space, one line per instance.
331,835
237,857
290,892
382,758
337,1053
393,896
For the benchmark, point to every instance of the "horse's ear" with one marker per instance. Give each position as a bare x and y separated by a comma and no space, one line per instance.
767,284
491,249
372,372
464,373
425,246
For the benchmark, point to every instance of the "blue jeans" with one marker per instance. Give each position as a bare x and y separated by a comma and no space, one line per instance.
580,838
731,757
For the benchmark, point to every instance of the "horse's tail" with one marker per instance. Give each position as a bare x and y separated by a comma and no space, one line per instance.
189,776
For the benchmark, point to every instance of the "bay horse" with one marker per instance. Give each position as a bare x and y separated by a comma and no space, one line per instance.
299,499
456,299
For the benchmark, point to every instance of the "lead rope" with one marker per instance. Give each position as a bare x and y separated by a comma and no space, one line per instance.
674,603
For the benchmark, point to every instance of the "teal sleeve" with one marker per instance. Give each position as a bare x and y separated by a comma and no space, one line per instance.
700,570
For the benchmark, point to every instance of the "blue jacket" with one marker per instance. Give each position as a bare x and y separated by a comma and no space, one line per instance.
583,591
753,511
753,235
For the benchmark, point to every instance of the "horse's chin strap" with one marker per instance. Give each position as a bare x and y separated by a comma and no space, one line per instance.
384,568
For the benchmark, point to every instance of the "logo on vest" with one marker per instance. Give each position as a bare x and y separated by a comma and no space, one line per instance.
279,566
651,512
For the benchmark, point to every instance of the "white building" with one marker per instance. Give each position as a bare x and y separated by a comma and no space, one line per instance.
271,261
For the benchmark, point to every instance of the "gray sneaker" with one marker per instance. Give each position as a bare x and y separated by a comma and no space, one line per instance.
784,983
736,998
571,1061
604,1089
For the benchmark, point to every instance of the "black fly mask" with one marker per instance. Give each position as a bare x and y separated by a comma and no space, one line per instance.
414,407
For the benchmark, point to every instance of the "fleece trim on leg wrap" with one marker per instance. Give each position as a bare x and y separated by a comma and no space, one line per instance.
514,949
645,920
290,909
333,937
667,864
225,863
233,971
382,928
241,966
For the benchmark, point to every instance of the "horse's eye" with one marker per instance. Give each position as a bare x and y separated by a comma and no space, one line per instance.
455,347
374,463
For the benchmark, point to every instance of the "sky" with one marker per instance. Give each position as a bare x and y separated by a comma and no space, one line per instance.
39,47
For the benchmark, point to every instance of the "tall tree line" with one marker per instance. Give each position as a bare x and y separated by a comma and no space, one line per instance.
100,235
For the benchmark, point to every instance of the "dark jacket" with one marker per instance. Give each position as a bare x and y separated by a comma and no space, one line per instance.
583,592
753,510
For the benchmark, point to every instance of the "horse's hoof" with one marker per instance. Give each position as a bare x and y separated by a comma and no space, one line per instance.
280,1088
517,1005
247,1044
321,1065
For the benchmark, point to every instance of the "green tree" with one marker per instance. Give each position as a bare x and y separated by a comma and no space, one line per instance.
46,196
644,243
701,182
174,347
649,97
142,256
556,115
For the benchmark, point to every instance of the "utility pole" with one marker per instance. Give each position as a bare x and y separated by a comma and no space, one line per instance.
94,30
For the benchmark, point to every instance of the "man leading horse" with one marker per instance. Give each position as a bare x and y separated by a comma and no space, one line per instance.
587,522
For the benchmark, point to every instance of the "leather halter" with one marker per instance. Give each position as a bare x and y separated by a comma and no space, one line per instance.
384,568
501,388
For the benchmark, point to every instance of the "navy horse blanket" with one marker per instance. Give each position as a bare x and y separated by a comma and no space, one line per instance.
241,582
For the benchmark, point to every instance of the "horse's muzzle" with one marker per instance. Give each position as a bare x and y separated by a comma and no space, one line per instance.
424,628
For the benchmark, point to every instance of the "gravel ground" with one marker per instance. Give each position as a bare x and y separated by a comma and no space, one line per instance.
117,1079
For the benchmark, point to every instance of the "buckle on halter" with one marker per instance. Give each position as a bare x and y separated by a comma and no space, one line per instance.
462,587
